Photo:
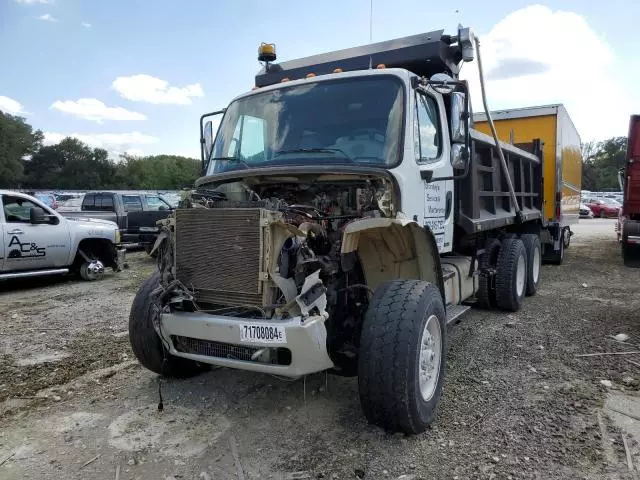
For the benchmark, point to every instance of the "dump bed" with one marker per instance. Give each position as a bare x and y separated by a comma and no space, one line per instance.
562,160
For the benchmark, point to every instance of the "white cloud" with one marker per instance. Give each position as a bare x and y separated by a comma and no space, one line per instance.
9,105
48,18
86,25
94,109
32,2
568,63
114,143
145,88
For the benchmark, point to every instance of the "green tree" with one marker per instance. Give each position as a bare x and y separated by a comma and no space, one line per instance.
17,140
601,163
70,164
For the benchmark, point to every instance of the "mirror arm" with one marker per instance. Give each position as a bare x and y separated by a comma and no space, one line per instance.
467,138
204,161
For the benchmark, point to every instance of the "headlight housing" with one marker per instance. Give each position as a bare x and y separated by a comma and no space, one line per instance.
117,237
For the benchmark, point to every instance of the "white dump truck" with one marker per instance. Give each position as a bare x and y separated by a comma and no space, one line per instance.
348,214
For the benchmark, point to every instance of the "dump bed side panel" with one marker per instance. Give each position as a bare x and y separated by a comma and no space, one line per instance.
520,129
569,158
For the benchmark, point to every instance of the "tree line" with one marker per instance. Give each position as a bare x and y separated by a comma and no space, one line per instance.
601,163
71,164
25,162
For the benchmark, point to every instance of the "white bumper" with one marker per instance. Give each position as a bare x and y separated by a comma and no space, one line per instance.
306,340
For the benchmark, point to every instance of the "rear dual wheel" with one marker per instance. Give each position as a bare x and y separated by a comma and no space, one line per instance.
511,274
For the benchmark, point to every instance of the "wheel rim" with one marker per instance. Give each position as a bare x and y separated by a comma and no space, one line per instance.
95,270
520,275
535,268
430,357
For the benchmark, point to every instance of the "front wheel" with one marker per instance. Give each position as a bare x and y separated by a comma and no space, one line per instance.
603,214
145,342
92,270
401,364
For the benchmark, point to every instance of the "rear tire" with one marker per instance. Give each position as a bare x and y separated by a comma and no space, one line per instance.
554,257
511,274
486,296
566,237
402,356
534,262
145,342
630,255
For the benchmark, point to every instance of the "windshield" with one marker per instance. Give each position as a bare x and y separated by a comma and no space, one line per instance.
349,121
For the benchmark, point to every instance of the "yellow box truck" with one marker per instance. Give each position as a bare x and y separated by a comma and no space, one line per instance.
562,159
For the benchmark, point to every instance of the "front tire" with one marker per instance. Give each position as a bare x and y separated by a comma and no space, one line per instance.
145,342
402,348
511,274
534,262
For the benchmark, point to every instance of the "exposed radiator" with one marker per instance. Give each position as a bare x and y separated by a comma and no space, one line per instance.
219,253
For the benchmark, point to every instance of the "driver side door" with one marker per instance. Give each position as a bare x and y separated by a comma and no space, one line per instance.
28,246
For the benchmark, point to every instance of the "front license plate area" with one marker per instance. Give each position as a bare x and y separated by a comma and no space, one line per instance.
252,333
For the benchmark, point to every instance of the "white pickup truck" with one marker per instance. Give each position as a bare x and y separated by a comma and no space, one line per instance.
35,240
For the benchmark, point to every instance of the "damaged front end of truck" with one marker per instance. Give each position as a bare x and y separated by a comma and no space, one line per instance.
262,273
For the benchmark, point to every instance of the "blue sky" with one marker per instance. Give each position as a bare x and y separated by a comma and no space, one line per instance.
147,70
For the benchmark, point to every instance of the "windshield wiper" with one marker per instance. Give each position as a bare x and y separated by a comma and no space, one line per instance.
311,150
233,159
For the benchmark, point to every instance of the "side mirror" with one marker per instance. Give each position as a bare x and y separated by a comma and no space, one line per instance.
162,207
459,122
459,156
207,136
36,215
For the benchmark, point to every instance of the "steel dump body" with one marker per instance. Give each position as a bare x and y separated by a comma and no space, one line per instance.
562,162
485,201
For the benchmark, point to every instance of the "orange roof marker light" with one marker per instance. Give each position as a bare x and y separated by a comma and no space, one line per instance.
311,75
285,79
381,66
337,70
267,52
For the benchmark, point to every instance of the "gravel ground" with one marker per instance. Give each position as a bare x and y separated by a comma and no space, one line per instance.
518,403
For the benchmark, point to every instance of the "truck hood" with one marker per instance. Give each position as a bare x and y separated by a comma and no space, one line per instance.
93,221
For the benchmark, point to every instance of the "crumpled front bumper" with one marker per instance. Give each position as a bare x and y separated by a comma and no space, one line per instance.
306,339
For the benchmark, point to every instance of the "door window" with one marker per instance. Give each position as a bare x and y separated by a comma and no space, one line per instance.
17,209
156,203
132,203
427,132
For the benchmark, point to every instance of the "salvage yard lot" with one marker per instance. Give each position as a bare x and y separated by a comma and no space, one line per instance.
518,403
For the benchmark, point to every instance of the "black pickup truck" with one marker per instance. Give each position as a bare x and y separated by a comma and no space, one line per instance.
135,213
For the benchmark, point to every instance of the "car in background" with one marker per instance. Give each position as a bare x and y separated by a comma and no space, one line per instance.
603,207
585,211
172,198
49,199
71,205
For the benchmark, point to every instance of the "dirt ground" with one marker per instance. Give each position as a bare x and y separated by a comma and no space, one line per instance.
518,403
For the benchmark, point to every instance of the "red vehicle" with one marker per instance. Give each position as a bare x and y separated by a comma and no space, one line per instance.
629,220
603,207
